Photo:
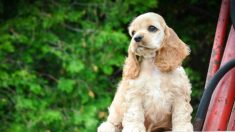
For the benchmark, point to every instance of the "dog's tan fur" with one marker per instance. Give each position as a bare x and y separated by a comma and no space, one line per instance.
154,93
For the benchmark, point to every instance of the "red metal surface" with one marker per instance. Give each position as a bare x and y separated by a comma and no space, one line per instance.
218,45
231,123
223,97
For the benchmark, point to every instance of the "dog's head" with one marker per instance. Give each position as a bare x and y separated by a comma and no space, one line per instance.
151,37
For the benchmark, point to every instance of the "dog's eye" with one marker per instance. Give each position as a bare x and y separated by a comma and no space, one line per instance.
152,28
133,33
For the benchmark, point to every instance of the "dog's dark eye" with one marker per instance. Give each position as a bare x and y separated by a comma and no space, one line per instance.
133,33
152,29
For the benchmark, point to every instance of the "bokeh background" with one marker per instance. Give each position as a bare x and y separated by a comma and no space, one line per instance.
61,60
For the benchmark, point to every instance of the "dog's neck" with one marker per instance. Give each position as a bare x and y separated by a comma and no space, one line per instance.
147,61
147,65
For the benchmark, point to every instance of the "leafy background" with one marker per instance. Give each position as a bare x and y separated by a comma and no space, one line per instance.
61,60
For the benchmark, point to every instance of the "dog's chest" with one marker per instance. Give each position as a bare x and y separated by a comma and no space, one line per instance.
156,91
156,95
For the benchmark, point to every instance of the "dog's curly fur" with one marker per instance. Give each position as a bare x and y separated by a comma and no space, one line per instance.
154,93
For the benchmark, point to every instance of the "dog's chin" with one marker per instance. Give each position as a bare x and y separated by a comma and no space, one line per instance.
145,51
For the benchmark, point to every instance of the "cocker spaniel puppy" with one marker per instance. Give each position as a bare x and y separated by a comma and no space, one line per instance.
154,93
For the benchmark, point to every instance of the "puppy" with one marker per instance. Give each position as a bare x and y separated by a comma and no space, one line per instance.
154,93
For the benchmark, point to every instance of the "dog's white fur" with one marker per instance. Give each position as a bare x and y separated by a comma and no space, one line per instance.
154,93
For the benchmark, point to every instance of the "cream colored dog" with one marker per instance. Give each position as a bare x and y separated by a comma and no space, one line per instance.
154,93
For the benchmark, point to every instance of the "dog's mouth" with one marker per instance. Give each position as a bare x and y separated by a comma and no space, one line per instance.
143,45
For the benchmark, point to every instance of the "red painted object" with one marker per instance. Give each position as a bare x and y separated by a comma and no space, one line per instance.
218,44
220,115
223,97
231,123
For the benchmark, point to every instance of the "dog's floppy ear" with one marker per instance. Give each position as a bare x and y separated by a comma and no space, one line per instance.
132,67
172,52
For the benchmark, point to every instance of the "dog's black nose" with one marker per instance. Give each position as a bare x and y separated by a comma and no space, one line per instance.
138,38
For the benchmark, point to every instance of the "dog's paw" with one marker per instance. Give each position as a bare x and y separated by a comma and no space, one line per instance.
134,128
106,127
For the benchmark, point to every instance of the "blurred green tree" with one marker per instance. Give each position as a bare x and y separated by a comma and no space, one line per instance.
61,60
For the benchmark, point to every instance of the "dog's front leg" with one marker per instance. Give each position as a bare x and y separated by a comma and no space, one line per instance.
116,109
133,120
181,116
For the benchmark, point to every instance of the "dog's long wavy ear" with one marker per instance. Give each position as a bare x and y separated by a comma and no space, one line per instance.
172,52
131,67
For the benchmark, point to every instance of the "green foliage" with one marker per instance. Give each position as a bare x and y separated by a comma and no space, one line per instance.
61,60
